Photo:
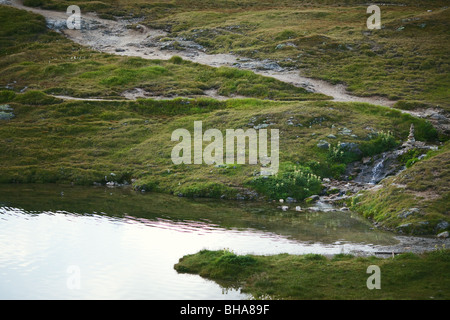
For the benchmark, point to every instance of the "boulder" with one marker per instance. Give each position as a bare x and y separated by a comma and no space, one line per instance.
323,144
444,234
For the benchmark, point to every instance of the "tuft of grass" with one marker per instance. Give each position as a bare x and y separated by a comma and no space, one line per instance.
35,97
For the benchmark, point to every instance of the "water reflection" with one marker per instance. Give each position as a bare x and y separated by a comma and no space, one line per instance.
126,243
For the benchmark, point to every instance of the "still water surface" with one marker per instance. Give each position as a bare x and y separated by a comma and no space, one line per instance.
120,244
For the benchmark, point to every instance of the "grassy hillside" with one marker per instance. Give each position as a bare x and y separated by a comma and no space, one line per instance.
414,202
46,139
408,59
33,57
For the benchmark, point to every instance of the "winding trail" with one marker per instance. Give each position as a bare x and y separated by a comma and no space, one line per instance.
116,37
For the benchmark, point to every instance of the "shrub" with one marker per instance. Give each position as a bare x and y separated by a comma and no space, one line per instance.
7,96
33,3
176,60
206,190
382,142
297,182
338,153
411,105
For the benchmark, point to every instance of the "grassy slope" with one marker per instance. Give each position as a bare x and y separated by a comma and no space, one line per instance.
406,60
33,57
312,277
424,186
82,142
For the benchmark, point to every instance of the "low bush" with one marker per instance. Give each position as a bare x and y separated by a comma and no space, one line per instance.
293,181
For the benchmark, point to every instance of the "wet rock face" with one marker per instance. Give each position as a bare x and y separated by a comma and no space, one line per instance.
376,169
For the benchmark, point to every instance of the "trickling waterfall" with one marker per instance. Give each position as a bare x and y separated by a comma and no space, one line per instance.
377,169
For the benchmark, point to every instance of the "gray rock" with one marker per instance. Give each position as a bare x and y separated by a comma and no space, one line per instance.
350,146
261,126
323,144
6,115
290,200
345,131
404,226
444,234
56,24
313,198
438,116
240,197
331,136
405,214
5,107
442,225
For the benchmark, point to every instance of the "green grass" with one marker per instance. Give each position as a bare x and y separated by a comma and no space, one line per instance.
35,58
81,142
407,60
315,277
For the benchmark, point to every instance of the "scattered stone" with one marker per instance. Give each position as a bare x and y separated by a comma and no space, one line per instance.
323,144
345,131
405,214
404,227
331,136
298,208
444,234
313,198
261,126
290,200
350,146
6,112
442,225
240,197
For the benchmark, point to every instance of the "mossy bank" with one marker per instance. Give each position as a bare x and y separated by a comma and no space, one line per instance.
341,277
